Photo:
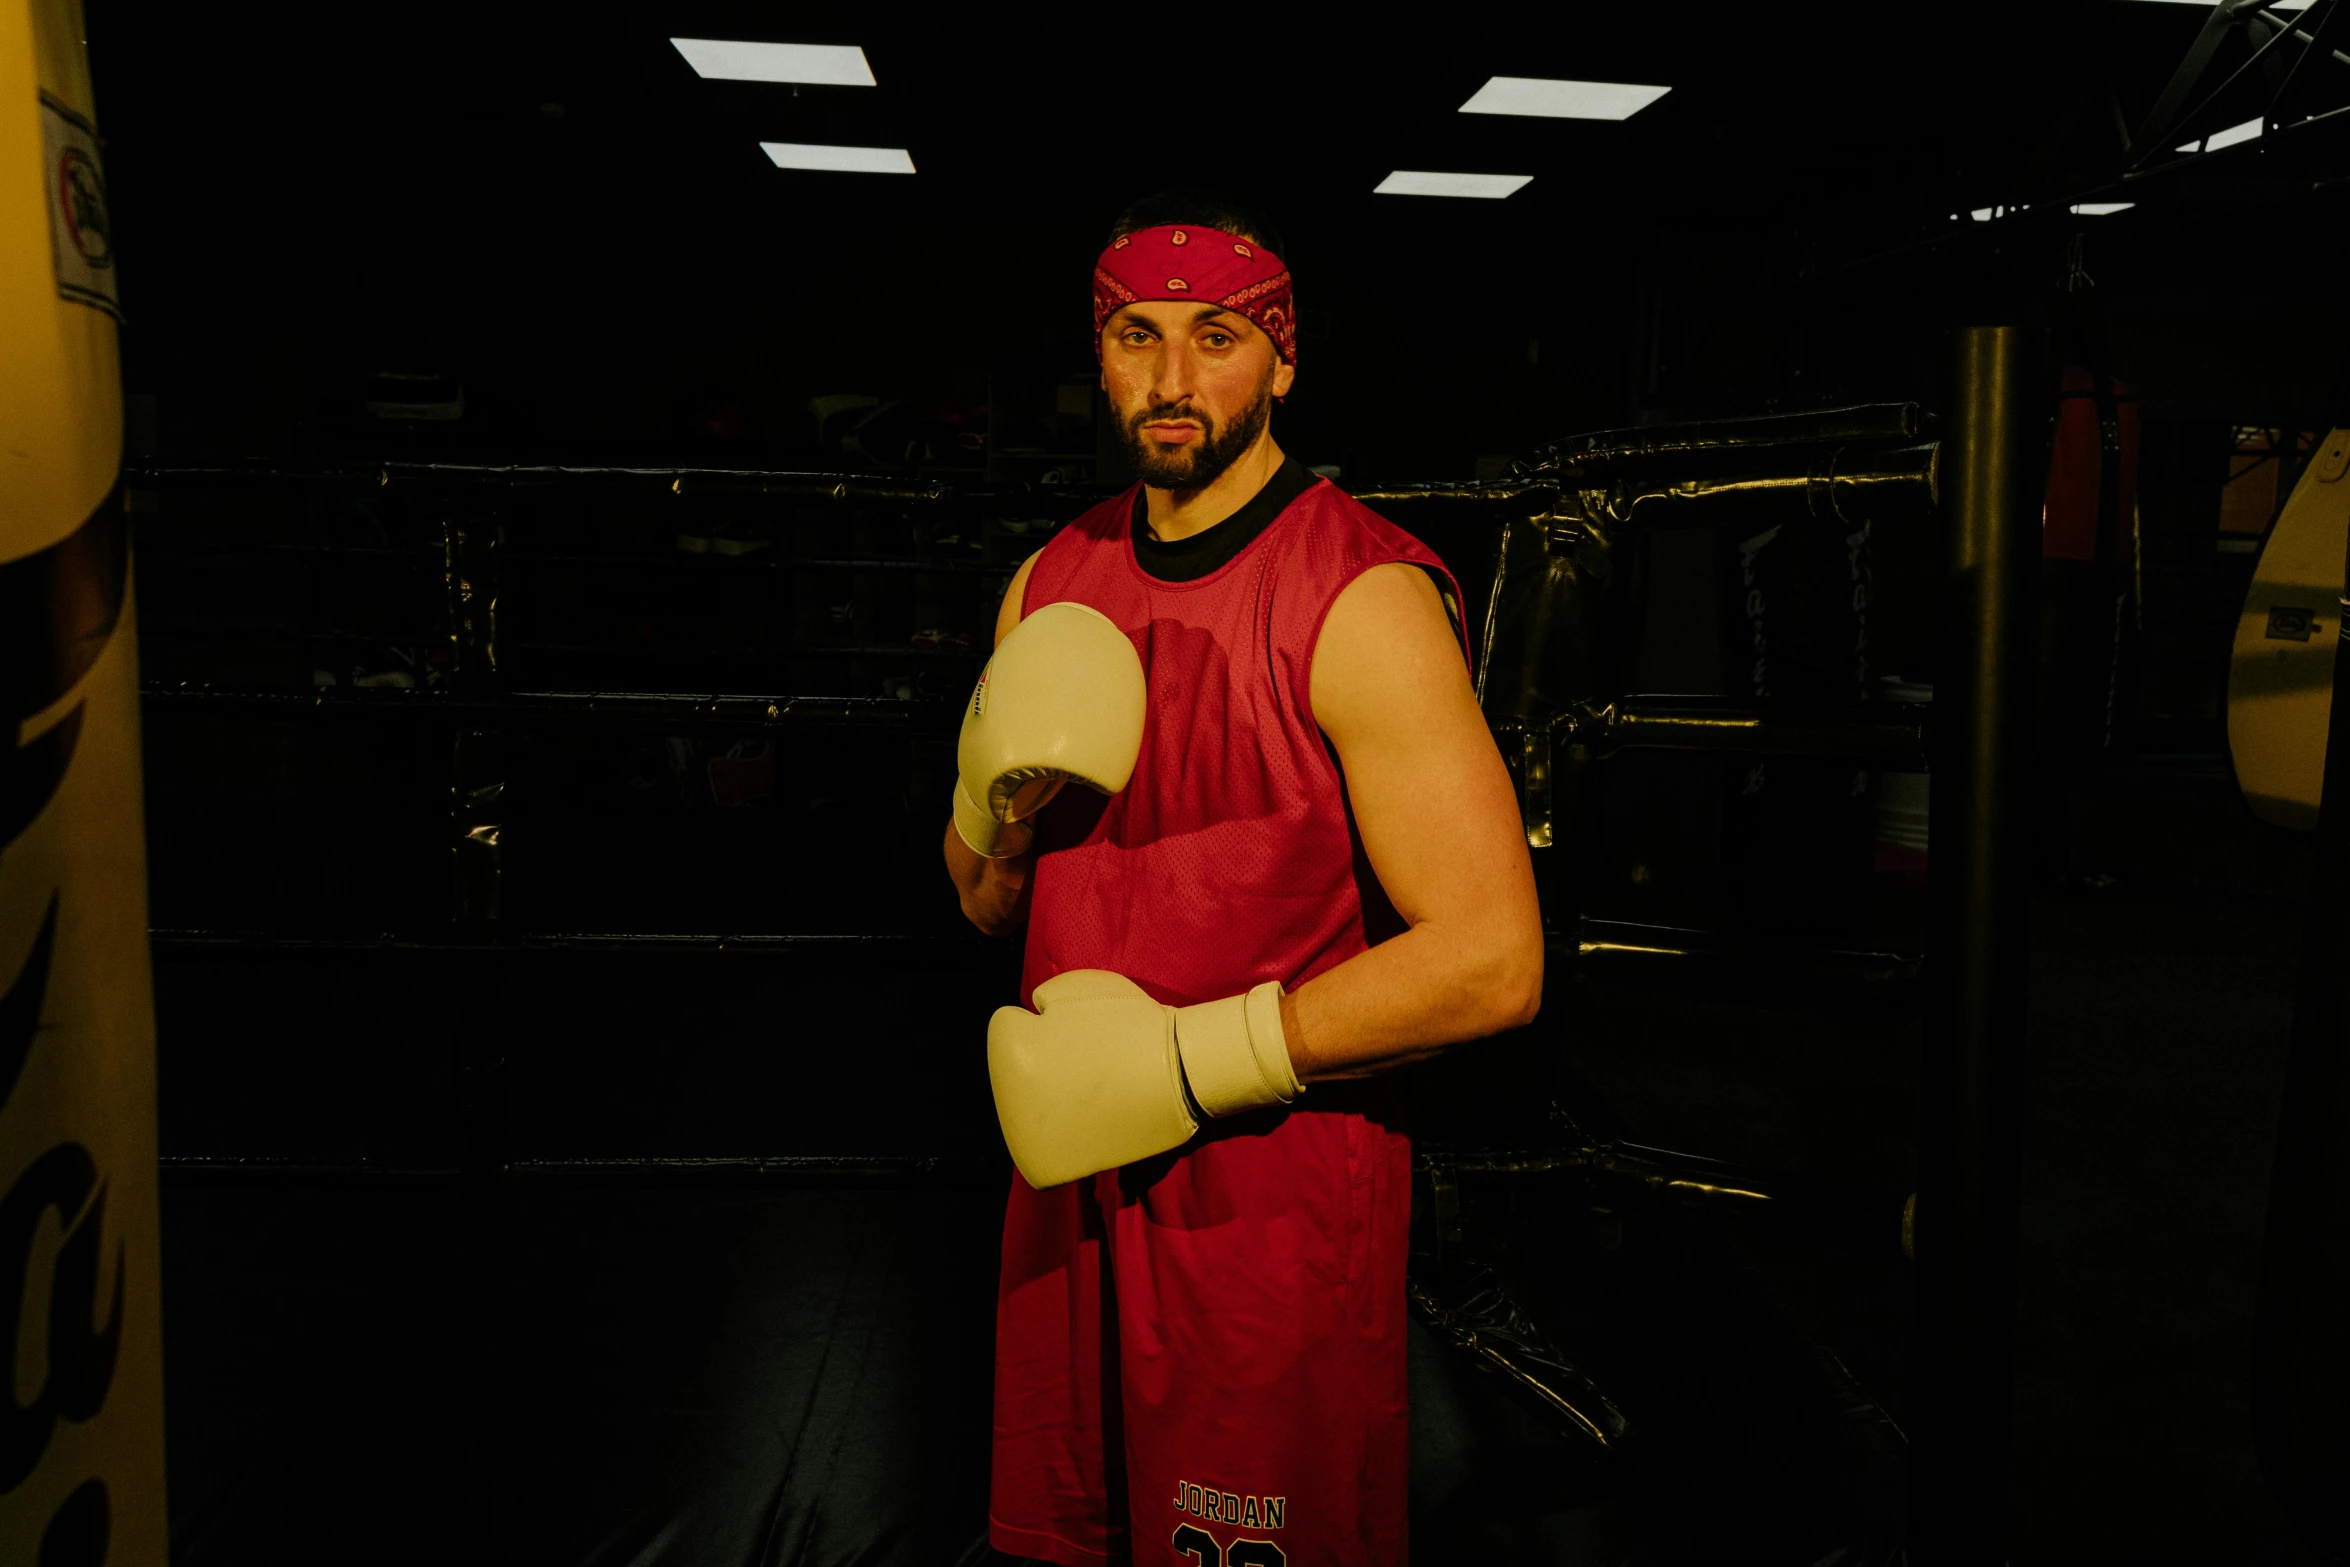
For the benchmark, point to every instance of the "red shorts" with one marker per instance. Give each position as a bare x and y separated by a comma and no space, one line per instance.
1229,1390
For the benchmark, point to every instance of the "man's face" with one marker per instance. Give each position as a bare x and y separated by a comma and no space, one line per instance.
1191,387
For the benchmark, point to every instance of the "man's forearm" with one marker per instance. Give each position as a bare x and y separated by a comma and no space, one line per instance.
1409,997
993,892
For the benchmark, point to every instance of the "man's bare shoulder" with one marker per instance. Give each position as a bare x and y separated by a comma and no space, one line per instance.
1392,592
1386,637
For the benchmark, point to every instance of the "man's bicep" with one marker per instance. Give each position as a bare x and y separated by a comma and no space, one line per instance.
1438,816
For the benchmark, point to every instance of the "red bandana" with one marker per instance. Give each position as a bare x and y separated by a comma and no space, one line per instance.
1208,265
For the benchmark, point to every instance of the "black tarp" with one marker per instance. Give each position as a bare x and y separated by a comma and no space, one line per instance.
704,1378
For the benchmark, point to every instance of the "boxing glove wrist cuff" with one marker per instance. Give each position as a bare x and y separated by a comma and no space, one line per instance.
1235,1055
977,826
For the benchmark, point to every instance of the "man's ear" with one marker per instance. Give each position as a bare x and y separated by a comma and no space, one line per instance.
1284,373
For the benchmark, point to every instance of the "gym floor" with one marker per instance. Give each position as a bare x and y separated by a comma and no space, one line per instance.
599,1376
2161,999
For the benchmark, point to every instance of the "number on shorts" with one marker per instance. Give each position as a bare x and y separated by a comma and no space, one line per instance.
1193,1541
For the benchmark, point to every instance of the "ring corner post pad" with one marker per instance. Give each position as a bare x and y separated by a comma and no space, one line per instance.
1976,953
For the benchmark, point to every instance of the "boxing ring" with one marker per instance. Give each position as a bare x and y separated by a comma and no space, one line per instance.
892,1187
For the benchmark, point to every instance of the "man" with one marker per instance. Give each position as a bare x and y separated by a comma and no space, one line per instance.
1314,872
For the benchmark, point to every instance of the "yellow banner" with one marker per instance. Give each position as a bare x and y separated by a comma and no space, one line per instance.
81,1422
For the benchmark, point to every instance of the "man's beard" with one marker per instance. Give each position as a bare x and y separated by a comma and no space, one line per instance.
1196,464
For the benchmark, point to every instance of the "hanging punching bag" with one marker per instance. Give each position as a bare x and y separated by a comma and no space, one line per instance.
81,1426
2301,1367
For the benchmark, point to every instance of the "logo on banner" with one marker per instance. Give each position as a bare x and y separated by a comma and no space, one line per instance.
81,204
80,233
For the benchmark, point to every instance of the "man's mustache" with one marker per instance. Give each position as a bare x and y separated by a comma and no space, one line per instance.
1169,411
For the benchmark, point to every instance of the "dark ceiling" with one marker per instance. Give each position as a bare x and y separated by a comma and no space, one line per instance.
549,202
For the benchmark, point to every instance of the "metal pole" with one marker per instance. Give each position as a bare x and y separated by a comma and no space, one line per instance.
1975,959
2302,1371
476,820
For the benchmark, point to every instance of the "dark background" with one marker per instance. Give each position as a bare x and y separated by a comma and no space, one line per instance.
562,212
545,204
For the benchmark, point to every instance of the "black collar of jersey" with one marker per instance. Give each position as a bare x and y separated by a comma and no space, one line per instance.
1187,560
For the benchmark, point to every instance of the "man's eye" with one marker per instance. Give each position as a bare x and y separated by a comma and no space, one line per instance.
1218,340
1137,337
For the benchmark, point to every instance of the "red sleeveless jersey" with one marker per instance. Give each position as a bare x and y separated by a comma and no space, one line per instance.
1201,1357
1229,859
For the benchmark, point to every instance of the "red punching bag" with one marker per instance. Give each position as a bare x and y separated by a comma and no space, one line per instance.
2095,442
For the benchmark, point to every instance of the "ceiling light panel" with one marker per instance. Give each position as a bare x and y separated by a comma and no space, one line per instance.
839,160
2101,209
1542,98
737,60
1422,182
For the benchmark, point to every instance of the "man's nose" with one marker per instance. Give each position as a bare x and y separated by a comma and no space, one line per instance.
1171,377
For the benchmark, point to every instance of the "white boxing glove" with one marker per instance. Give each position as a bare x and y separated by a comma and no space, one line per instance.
1100,1075
1062,699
